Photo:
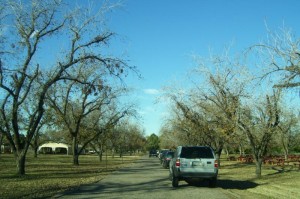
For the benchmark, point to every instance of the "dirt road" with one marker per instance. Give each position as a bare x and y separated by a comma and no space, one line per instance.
145,179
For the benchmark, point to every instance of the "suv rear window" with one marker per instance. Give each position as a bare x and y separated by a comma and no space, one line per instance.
196,152
170,154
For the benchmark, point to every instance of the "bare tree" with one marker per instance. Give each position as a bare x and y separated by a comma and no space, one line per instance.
3,15
279,61
212,105
204,125
99,144
260,124
280,58
295,141
178,130
82,107
286,129
168,136
222,103
26,71
135,136
215,106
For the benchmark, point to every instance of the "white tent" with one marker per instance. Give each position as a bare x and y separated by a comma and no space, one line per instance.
52,147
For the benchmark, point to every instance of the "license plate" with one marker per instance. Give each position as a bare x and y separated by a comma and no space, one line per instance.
197,163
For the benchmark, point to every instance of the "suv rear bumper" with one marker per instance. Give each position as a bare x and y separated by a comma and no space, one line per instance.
204,175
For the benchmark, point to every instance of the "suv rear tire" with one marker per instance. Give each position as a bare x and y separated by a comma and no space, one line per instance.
175,181
213,182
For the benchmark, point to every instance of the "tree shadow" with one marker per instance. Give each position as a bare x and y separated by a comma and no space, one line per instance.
225,184
236,184
237,165
116,187
283,169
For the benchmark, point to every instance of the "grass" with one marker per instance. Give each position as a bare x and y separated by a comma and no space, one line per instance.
51,174
48,175
239,181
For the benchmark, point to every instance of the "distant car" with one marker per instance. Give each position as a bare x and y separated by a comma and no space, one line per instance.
193,163
91,151
153,153
167,158
161,154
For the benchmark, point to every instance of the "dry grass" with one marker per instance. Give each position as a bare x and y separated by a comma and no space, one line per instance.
239,180
50,174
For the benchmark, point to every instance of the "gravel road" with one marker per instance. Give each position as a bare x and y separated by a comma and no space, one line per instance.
144,179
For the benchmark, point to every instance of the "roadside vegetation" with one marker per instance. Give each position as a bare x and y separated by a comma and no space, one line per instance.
48,175
239,180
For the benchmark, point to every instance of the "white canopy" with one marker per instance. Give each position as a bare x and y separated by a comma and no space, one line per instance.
55,146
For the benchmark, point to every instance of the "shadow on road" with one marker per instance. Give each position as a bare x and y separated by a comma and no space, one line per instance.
116,187
236,184
223,184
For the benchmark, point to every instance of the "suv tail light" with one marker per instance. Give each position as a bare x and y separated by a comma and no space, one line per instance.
177,163
216,164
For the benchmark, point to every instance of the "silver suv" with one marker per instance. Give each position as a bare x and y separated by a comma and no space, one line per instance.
192,163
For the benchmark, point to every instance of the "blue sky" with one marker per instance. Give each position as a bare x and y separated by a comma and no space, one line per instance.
160,37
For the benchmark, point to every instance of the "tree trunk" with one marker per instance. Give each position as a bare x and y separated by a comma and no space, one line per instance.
285,148
75,151
1,140
219,149
286,153
35,146
218,154
227,152
35,152
100,155
20,161
258,164
121,153
113,153
241,150
75,159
